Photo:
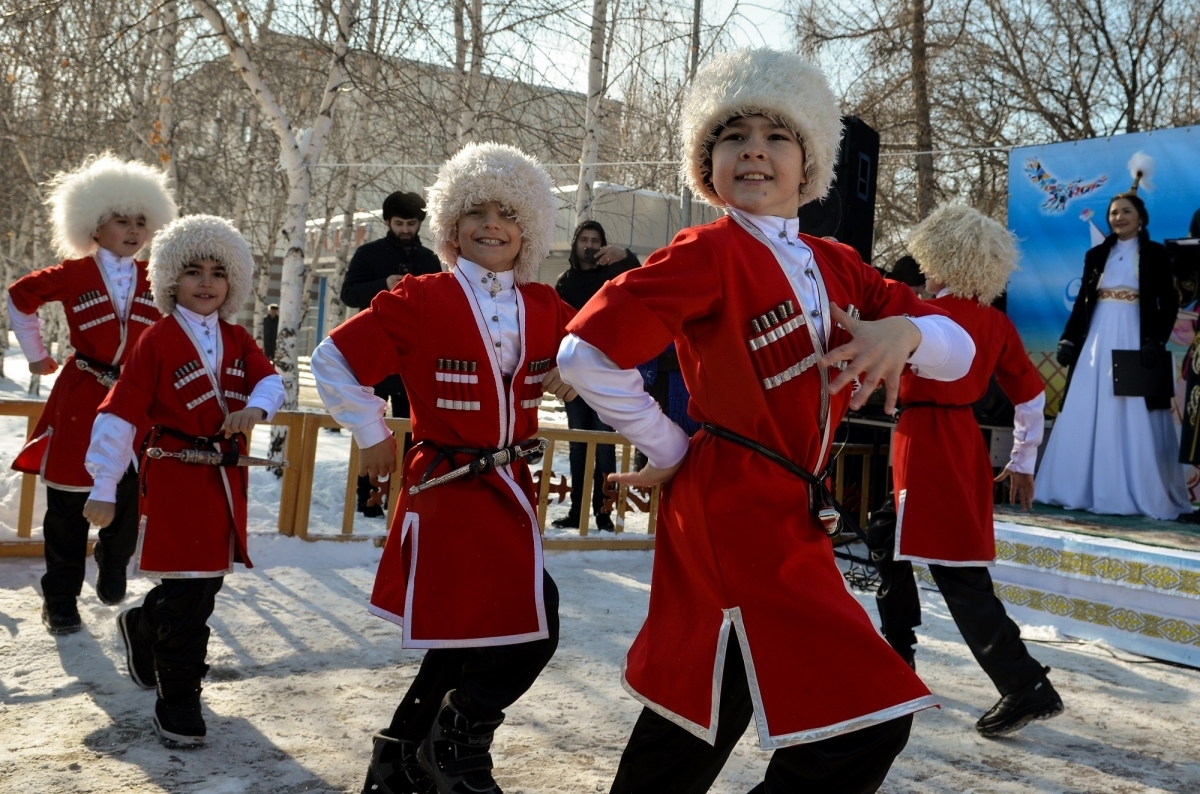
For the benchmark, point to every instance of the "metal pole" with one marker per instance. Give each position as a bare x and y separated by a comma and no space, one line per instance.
685,195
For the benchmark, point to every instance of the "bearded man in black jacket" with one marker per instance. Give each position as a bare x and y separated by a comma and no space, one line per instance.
377,266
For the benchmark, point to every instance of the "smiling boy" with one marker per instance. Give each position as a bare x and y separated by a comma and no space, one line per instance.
462,570
202,383
749,615
102,215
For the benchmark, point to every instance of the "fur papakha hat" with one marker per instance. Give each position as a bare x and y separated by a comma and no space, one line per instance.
82,200
195,237
763,82
967,251
483,172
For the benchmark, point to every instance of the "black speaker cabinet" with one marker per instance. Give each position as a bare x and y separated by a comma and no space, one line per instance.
848,212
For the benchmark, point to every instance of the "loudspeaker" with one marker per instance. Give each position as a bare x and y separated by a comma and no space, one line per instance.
848,212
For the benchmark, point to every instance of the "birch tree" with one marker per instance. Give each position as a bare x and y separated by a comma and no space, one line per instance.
591,125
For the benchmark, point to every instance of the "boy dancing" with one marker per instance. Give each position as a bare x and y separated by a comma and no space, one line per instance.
202,383
462,572
943,474
749,613
102,214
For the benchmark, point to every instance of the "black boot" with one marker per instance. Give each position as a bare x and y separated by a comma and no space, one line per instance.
1036,700
455,753
177,717
110,580
138,658
394,768
61,617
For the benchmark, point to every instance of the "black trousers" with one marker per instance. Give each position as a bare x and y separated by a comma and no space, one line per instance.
581,416
173,624
485,680
66,532
663,758
990,633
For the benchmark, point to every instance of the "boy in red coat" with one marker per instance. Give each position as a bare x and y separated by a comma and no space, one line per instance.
102,215
462,571
943,473
748,610
202,383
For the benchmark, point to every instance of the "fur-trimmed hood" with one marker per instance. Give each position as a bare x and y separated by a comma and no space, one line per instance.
104,186
967,251
483,172
199,237
780,85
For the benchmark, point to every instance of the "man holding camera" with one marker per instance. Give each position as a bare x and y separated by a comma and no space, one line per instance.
593,262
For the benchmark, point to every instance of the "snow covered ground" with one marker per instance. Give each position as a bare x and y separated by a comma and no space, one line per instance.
302,676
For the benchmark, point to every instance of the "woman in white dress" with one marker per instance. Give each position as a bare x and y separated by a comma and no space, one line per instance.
1109,454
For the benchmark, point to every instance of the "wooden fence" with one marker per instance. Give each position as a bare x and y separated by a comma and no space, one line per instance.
300,450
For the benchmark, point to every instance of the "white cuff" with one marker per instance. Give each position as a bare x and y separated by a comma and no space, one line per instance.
1029,424
620,400
354,406
27,328
104,489
371,434
267,396
946,350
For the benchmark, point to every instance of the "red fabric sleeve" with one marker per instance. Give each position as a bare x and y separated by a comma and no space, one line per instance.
39,287
1017,377
258,366
635,316
374,340
130,399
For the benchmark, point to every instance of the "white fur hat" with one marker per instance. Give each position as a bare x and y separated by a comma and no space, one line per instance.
779,85
81,200
483,172
967,251
195,237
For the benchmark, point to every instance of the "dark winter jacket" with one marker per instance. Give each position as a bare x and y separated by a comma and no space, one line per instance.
1157,298
270,335
373,262
577,286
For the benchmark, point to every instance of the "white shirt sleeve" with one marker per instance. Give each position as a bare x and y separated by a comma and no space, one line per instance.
109,455
268,395
1029,424
946,350
354,406
28,330
619,398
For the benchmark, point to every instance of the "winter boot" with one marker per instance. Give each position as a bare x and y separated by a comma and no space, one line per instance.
138,658
61,617
394,768
110,580
1037,700
177,717
455,753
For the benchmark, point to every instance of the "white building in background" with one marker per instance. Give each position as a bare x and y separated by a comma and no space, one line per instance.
641,220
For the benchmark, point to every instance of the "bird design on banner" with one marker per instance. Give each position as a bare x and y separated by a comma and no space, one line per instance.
1058,195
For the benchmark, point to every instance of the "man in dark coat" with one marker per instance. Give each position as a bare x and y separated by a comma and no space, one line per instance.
377,266
271,330
593,262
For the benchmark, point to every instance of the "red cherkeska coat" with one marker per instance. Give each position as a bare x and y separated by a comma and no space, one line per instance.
463,567
737,548
942,469
192,517
59,442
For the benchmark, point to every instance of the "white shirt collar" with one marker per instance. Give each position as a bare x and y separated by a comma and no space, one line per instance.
771,225
479,276
111,260
943,292
194,318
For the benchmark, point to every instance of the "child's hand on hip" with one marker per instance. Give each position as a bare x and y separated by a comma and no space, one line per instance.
378,460
99,514
877,354
242,421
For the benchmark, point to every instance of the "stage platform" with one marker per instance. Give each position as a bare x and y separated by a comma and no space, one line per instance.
1131,582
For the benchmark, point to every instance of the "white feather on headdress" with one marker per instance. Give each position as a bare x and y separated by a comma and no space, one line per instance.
104,186
1141,168
195,237
483,172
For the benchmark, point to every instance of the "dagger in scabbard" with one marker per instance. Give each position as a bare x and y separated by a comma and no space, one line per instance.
486,463
204,457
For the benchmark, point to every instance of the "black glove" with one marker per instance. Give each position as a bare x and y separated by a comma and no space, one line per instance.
1150,354
1066,353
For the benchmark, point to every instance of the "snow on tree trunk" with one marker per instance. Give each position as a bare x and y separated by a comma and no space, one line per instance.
591,133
